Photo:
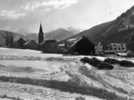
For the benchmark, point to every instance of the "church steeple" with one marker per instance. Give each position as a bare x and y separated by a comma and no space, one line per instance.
40,35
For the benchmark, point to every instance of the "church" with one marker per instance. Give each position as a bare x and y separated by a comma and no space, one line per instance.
40,35
46,45
82,46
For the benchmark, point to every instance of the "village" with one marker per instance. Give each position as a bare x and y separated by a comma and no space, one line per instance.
74,46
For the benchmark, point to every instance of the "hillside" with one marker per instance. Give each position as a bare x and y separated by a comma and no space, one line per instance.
94,33
119,30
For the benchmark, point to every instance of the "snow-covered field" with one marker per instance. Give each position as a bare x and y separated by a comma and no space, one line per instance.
59,77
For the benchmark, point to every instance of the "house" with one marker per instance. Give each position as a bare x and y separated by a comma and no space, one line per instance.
62,47
82,46
112,48
19,43
31,44
116,48
49,46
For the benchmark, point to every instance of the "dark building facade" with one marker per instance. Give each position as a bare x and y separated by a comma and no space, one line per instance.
49,46
82,47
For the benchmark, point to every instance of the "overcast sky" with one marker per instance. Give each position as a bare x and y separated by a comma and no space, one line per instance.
25,15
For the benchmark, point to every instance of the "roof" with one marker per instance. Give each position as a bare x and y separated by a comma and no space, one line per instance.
31,42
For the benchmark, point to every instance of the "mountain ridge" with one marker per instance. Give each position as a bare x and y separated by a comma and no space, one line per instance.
119,30
57,34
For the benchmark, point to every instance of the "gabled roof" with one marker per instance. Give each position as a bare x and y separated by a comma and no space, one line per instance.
31,42
78,39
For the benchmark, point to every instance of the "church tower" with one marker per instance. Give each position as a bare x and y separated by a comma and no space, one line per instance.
40,35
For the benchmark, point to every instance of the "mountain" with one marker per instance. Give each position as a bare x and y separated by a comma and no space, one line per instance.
119,30
58,34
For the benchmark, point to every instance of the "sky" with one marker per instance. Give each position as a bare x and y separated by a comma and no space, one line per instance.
25,16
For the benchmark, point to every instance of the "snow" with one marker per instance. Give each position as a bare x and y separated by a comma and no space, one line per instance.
25,53
29,92
46,65
88,66
36,65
